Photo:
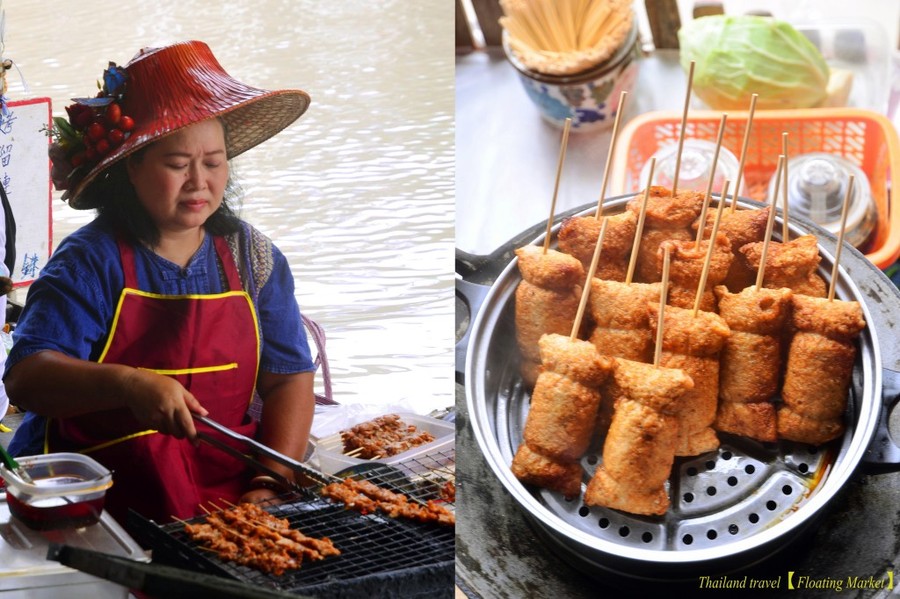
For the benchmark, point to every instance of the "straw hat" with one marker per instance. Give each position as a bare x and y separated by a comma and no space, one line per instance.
164,90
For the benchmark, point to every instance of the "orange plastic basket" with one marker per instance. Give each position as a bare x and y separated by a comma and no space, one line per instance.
863,137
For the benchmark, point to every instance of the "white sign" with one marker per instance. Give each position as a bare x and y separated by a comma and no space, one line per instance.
25,175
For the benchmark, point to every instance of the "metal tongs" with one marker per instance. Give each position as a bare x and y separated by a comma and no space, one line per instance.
13,466
260,449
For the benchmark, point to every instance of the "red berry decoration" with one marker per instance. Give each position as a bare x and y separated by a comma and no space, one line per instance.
96,131
115,137
113,114
78,159
126,123
102,147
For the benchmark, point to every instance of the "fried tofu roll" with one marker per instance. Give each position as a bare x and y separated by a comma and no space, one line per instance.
667,218
640,447
751,361
792,265
578,237
819,366
686,269
740,227
622,328
692,344
560,423
547,301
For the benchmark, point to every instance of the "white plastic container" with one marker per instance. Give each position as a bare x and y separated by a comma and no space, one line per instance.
329,450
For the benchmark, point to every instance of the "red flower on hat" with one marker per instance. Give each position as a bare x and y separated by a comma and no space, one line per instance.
94,127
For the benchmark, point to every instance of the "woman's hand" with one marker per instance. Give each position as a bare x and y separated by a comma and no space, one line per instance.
264,488
162,403
258,495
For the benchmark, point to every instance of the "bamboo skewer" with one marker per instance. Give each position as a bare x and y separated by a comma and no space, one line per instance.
612,147
567,36
744,145
639,231
709,186
704,275
785,233
559,165
663,296
687,101
770,224
585,292
840,239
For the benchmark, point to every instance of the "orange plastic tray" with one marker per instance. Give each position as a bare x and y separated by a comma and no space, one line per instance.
866,138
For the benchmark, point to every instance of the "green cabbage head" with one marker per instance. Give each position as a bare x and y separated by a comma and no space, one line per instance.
737,56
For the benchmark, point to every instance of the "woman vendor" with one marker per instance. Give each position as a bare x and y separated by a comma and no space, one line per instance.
167,304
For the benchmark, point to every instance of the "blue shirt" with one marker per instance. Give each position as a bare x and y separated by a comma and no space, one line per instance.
70,307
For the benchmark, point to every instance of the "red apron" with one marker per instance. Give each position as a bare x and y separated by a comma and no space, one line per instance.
210,344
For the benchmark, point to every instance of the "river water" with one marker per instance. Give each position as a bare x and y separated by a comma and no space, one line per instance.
358,193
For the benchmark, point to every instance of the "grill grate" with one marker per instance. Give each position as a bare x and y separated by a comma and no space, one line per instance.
379,555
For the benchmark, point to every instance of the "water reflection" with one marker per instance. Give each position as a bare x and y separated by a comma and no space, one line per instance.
358,194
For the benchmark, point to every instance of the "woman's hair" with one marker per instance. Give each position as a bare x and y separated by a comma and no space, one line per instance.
116,200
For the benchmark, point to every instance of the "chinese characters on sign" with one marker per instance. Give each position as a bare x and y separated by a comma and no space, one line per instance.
25,176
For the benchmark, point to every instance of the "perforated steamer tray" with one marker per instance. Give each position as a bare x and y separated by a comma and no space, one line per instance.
734,505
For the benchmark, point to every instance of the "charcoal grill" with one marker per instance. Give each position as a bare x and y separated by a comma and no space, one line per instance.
380,556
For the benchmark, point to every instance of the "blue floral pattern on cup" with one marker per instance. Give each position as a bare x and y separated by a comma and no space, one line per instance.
591,105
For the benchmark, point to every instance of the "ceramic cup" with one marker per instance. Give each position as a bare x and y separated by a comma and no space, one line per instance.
590,98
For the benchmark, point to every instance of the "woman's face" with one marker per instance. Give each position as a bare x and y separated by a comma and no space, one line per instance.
180,179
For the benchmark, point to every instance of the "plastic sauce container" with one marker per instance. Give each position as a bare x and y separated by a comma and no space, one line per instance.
67,490
696,164
817,185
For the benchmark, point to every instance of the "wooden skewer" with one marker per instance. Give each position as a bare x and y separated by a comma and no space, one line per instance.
639,231
785,233
663,295
840,239
586,291
687,101
770,224
704,275
562,158
709,186
612,148
744,146
354,452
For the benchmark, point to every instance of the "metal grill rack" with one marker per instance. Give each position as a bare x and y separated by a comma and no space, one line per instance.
380,556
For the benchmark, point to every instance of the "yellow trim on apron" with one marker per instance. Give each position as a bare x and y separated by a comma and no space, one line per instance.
201,369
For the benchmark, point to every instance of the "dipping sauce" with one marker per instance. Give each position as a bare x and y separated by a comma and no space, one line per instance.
52,513
66,490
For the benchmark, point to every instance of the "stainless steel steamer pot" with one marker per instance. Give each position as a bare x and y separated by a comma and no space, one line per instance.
730,508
